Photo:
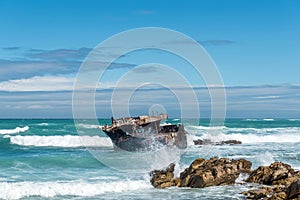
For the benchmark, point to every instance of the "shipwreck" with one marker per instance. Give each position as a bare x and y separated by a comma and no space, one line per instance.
144,133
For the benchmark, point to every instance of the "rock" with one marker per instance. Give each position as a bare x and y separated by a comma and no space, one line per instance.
163,178
271,175
278,196
203,142
293,191
256,194
267,193
209,142
230,142
289,180
285,180
203,173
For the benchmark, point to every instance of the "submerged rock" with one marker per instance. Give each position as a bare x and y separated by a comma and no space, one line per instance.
230,142
202,173
209,142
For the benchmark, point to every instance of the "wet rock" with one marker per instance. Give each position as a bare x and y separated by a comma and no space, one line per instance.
209,142
230,142
203,142
256,193
164,178
213,172
284,179
293,191
278,196
289,180
202,173
271,175
266,193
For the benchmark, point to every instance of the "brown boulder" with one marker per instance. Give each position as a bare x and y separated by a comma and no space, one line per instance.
278,196
163,178
213,172
293,191
271,175
266,193
256,193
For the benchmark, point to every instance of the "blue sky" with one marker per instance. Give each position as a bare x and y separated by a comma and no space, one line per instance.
255,45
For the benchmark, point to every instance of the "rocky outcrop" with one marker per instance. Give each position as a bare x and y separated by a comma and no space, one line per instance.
163,178
284,182
293,191
270,193
209,142
274,174
213,172
280,180
202,173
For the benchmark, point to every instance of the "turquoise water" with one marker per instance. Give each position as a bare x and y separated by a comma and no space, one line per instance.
41,159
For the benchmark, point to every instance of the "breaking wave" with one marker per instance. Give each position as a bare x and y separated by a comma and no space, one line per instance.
15,130
293,120
223,129
88,126
246,135
61,141
268,119
17,190
43,124
254,138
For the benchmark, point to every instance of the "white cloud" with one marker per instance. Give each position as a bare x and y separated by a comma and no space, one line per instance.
38,83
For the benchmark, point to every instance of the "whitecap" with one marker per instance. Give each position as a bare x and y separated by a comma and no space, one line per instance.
61,141
15,130
17,190
88,126
279,137
43,124
268,119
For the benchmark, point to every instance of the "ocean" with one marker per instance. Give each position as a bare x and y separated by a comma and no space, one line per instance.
50,158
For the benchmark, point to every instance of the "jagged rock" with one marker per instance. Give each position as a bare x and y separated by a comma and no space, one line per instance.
271,175
278,196
266,193
293,191
289,180
208,142
285,179
213,172
256,193
202,173
164,178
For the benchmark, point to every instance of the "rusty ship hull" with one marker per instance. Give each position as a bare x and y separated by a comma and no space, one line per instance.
145,133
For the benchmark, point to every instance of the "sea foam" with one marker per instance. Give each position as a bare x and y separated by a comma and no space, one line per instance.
254,138
17,190
88,126
15,130
61,141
